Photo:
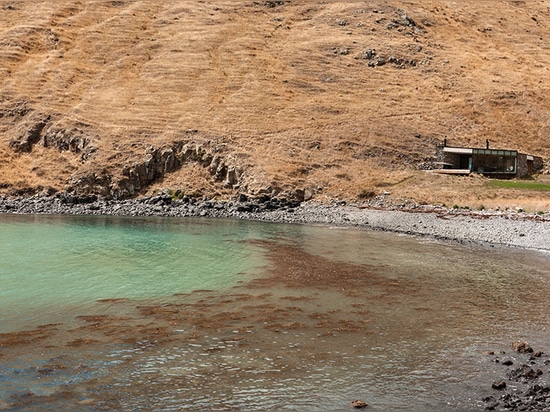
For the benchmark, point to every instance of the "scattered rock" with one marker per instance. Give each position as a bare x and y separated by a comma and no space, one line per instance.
525,372
272,4
522,347
359,404
522,395
499,385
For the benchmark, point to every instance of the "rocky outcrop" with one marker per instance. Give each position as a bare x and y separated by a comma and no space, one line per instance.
73,139
125,181
92,183
31,133
34,128
155,165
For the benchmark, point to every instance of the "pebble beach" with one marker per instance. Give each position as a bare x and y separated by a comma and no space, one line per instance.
498,228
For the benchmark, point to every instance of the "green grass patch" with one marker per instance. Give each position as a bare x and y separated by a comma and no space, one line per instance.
521,184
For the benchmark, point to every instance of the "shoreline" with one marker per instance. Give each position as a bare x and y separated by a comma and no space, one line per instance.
495,228
510,382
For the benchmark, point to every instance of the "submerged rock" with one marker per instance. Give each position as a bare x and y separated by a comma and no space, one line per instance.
522,395
499,385
525,372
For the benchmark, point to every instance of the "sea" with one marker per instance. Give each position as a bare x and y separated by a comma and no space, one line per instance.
174,314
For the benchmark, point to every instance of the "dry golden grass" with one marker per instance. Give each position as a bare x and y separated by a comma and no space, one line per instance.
286,90
471,192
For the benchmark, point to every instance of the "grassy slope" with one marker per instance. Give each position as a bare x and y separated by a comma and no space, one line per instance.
283,92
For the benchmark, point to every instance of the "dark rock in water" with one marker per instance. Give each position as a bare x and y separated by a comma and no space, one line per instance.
522,395
522,347
491,402
525,372
359,404
499,385
536,398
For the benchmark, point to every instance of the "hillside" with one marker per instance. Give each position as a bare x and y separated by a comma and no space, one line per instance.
296,99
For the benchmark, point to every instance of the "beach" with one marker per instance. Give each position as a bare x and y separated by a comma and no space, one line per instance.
509,228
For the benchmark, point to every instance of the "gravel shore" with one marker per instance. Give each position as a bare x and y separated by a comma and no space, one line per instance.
505,228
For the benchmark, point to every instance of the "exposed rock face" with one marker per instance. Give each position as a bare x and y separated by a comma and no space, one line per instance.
156,164
35,128
124,179
73,140
31,134
94,182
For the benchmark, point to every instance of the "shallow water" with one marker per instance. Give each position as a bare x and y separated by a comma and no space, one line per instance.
59,263
196,314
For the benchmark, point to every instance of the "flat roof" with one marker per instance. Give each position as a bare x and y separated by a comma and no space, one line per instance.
458,150
469,150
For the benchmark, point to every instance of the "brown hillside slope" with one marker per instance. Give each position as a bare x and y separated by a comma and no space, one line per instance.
285,98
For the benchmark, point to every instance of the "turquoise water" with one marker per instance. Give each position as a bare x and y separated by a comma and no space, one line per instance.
63,262
162,314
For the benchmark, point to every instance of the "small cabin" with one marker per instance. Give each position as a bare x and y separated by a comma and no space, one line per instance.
497,163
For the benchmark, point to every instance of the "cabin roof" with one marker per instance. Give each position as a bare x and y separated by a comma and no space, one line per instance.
469,150
458,150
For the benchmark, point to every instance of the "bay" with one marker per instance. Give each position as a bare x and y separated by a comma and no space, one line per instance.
110,313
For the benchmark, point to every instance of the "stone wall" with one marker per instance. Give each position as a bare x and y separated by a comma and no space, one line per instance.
522,168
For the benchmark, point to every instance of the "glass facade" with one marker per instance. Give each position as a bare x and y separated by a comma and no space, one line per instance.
488,161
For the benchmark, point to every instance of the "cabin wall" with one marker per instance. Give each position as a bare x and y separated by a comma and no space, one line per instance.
448,160
439,154
523,165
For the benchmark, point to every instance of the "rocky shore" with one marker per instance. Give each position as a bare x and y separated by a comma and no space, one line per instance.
523,385
505,228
